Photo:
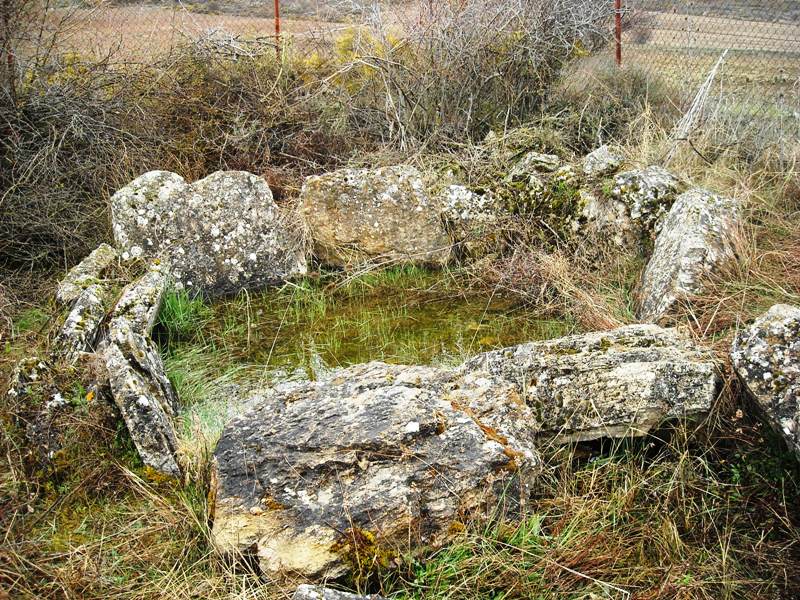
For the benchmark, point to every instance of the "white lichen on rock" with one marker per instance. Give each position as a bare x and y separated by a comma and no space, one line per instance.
217,236
613,383
138,381
86,273
601,162
696,239
766,357
81,327
384,214
629,212
470,218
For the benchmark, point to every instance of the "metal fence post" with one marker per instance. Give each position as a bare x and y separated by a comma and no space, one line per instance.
617,30
278,27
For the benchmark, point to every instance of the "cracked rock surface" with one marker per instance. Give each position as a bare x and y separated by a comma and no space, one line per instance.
378,457
218,235
139,384
766,357
85,274
360,215
695,240
614,383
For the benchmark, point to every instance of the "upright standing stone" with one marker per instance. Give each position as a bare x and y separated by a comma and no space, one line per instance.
217,236
695,241
362,215
766,357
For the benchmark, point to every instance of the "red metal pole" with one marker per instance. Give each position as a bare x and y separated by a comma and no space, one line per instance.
617,29
278,27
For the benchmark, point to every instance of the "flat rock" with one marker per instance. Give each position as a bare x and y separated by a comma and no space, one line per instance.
377,458
139,385
317,592
615,383
601,162
362,215
695,240
86,273
766,357
534,162
217,236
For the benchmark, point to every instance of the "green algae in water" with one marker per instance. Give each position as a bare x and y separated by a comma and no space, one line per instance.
311,326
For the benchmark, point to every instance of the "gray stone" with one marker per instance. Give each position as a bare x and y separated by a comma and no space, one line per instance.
317,592
601,162
217,236
613,383
647,195
696,239
534,162
81,328
388,456
766,357
629,213
88,272
139,385
145,399
363,215
137,308
471,219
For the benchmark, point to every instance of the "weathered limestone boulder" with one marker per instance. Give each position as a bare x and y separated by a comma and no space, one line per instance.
601,162
317,592
695,240
613,383
87,273
471,219
217,236
376,460
628,214
361,215
647,194
766,357
81,328
532,163
139,385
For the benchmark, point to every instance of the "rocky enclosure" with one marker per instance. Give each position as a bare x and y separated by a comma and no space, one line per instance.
378,461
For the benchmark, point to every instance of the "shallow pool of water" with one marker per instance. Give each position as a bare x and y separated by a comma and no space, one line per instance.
313,326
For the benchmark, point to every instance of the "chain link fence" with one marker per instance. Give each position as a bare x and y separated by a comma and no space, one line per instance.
679,41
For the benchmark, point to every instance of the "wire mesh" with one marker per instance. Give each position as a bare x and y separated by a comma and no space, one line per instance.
679,41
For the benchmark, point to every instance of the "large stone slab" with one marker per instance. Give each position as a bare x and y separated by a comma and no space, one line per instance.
361,215
766,357
615,383
86,273
376,460
139,384
695,240
218,235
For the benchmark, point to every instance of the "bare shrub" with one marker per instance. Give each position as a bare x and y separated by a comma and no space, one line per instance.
460,69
